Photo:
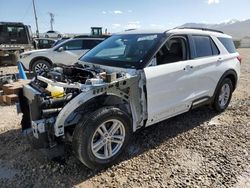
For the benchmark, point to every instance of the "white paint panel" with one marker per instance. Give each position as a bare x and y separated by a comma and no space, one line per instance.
169,90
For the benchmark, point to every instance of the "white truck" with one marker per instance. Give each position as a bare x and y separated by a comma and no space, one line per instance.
15,38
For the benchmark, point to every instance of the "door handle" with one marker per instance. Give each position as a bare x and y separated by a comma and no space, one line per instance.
188,67
219,59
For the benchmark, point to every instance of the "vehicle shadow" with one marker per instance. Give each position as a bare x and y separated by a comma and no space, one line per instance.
16,152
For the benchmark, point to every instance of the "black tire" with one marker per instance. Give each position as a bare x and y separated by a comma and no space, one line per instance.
217,105
59,36
86,130
46,36
40,63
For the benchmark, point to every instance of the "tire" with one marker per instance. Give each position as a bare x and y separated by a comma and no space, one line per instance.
46,36
222,100
59,36
40,65
88,133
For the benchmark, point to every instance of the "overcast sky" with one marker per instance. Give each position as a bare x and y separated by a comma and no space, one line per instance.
77,16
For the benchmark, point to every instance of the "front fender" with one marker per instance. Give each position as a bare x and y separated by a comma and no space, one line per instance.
70,107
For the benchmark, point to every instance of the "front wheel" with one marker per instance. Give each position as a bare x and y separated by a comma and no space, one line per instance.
100,138
40,66
223,95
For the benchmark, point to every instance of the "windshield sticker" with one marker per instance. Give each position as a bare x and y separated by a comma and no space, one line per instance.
150,37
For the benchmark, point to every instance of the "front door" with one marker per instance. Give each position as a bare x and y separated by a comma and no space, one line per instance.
169,83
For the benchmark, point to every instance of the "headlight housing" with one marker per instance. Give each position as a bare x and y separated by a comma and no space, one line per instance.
24,55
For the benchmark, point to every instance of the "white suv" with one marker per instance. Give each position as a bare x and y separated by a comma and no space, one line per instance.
131,80
67,53
52,34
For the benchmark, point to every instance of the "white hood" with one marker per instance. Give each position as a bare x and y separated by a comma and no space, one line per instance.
35,51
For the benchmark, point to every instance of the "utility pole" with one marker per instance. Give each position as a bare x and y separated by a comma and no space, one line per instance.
34,8
51,20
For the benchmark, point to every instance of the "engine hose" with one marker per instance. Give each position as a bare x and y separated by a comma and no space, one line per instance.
50,112
56,102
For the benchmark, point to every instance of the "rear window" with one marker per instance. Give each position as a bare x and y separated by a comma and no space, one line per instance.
228,44
204,46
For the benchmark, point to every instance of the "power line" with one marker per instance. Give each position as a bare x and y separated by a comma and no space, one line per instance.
34,8
26,11
52,20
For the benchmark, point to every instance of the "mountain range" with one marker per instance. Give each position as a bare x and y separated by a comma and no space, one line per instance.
236,28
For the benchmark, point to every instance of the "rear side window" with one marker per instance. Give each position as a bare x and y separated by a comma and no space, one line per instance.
228,44
73,45
89,44
204,46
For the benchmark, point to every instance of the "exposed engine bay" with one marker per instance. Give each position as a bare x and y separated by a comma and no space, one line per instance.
55,101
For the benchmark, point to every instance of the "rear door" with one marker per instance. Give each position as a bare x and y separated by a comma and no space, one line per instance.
170,83
205,61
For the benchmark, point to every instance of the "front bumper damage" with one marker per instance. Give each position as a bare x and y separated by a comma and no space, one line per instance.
53,124
37,129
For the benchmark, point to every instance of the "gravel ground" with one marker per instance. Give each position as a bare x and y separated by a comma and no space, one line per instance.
197,149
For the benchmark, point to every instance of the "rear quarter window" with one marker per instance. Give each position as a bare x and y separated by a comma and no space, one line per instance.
204,46
228,44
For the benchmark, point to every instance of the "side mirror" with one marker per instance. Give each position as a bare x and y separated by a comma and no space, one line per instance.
60,49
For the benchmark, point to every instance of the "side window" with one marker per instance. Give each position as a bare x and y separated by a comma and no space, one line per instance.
204,46
45,41
73,45
1,28
228,44
214,48
173,50
89,44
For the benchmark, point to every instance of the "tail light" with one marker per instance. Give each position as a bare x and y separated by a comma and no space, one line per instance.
240,59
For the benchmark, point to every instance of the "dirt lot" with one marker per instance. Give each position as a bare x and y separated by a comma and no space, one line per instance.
197,149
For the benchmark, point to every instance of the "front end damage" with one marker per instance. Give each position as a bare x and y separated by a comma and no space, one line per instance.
51,116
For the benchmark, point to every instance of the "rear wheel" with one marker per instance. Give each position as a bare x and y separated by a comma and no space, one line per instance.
40,66
100,138
223,95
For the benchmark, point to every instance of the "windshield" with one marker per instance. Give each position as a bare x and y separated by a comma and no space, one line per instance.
13,34
123,50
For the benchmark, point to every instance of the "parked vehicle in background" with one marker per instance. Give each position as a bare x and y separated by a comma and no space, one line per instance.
53,34
43,43
67,53
62,40
131,80
15,38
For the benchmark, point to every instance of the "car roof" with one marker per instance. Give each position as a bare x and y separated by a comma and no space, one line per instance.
86,38
198,31
44,39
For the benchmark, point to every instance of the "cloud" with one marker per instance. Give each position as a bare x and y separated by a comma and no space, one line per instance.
112,12
116,25
133,25
117,12
213,2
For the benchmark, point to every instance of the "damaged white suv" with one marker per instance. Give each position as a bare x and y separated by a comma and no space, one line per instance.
131,80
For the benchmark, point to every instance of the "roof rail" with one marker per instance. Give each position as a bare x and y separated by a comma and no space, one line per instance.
200,28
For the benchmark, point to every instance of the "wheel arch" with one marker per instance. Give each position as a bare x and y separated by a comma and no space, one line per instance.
99,102
232,75
39,58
